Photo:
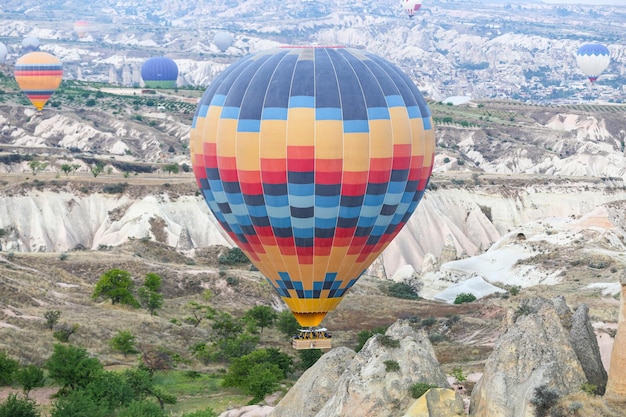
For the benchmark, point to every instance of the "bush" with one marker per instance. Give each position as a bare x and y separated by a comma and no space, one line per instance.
8,366
544,398
234,256
420,388
388,341
142,408
364,335
590,389
207,412
392,366
18,407
402,290
464,297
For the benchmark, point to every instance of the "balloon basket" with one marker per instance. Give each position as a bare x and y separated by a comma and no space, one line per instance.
312,339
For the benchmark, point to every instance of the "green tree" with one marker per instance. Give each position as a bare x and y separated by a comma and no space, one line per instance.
72,367
52,318
8,366
79,403
29,377
262,316
226,327
171,168
116,285
287,324
37,166
308,357
150,295
142,383
18,407
124,342
97,169
110,390
66,168
234,347
199,312
254,374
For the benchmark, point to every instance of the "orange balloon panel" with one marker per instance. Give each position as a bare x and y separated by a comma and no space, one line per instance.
312,160
38,74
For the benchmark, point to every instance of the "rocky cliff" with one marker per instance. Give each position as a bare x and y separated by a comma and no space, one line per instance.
535,351
375,383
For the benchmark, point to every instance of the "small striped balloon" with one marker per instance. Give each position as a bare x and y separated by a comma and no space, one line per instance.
38,74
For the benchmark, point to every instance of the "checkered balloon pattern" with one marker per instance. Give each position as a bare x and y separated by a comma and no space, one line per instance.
312,159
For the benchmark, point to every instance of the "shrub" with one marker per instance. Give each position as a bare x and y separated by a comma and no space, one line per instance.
29,377
8,366
402,290
364,335
544,398
590,389
457,373
207,412
234,256
420,388
52,318
392,366
18,407
64,331
429,321
388,341
464,297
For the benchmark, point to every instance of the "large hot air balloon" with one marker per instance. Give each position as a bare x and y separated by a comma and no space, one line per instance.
592,59
82,28
312,159
38,74
159,72
3,53
411,6
223,40
30,44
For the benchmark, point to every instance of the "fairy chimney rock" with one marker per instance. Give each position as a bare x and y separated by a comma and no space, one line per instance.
616,385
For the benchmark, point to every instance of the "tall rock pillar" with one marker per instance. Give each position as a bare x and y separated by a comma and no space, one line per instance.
616,384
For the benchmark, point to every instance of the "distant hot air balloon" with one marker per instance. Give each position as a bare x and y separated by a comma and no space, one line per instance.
159,72
30,44
38,74
411,6
3,53
312,160
592,59
82,28
223,40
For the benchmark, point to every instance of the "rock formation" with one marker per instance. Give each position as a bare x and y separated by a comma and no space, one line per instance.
315,386
616,385
585,345
368,389
536,350
437,402
368,386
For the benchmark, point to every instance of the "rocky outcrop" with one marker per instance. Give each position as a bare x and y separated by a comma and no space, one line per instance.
369,389
315,386
375,382
536,350
585,344
437,402
616,384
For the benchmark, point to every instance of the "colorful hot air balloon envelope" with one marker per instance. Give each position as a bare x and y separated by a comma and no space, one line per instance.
82,28
30,44
159,72
223,40
592,59
38,74
411,6
312,160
